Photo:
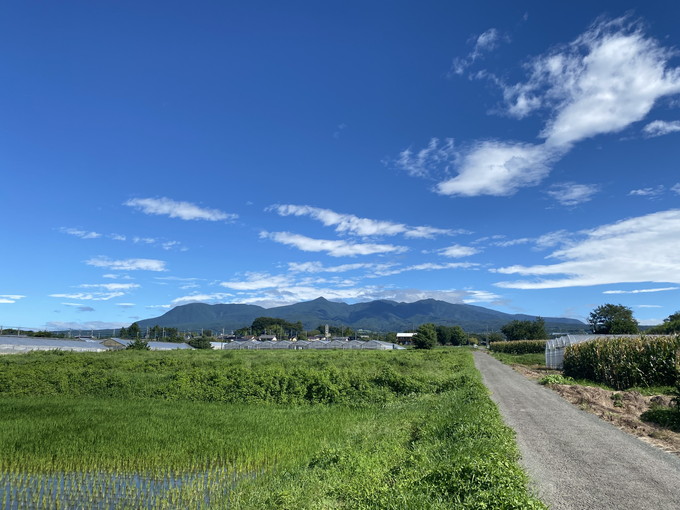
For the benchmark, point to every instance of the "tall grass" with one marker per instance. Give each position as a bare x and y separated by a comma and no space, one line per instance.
625,362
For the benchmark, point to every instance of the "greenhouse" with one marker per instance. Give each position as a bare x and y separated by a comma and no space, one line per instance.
306,344
554,349
19,344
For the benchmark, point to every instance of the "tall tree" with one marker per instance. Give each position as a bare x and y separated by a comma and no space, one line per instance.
525,330
611,319
426,336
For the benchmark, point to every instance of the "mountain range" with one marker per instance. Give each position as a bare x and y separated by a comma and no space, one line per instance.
381,315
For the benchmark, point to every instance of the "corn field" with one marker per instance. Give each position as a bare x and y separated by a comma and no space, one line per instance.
519,346
625,362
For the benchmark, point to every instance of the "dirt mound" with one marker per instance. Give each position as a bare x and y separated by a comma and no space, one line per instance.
621,408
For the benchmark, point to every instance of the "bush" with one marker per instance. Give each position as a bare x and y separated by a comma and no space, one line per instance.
625,362
519,347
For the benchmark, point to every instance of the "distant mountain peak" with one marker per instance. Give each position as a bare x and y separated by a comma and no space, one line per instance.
379,315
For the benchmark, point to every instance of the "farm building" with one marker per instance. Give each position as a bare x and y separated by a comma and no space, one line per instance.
120,343
19,344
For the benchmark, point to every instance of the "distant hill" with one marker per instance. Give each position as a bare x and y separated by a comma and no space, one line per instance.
381,315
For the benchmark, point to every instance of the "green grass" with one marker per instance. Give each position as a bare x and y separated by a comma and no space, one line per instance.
294,430
532,360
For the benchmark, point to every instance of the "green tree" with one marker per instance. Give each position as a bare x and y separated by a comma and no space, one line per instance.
426,336
138,344
611,319
671,325
525,330
132,332
200,342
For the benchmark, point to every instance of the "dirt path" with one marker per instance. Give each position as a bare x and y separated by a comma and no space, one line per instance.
577,461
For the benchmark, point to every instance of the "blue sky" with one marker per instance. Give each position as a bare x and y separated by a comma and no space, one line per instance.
520,156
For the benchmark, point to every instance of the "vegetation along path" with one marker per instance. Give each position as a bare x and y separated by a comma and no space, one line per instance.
575,460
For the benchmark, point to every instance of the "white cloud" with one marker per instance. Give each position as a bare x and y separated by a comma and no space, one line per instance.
144,240
648,306
676,188
483,43
602,82
128,264
640,291
10,298
83,234
110,286
117,237
350,224
641,249
605,80
255,281
499,168
200,298
425,267
89,296
661,127
125,305
318,267
458,251
182,210
569,193
652,192
434,159
334,248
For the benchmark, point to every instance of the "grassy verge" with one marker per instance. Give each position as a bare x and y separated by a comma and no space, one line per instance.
423,434
532,360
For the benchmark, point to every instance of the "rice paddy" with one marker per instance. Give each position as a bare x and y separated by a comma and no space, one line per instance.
294,430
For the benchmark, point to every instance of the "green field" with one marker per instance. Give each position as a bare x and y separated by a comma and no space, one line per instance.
292,429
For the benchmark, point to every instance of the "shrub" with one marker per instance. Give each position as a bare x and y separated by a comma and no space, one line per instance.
519,346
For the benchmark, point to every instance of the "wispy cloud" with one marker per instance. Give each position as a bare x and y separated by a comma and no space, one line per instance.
605,80
652,192
570,194
365,227
661,127
641,249
125,305
334,248
10,298
428,266
83,234
434,161
318,267
676,188
89,296
338,131
128,264
200,298
182,210
110,286
458,251
483,43
640,291
255,281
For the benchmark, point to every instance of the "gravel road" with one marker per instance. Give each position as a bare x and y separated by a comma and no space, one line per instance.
575,460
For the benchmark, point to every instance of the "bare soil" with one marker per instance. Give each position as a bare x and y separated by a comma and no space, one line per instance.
620,408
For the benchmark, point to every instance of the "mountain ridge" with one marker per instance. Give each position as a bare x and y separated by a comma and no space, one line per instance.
379,315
